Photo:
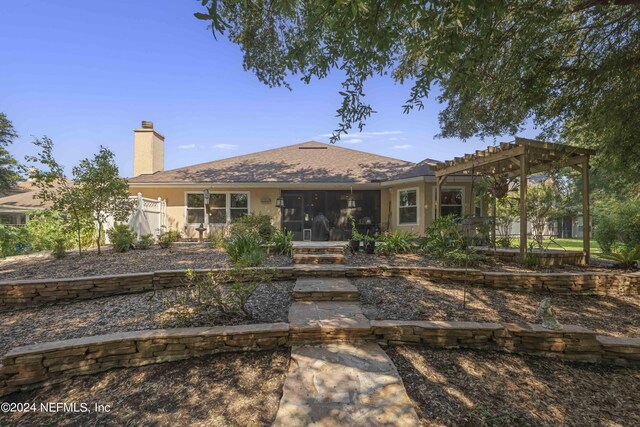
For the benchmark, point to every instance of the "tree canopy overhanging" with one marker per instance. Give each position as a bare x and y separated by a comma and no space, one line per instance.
572,67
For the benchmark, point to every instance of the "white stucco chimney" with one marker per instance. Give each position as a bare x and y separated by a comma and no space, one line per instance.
148,150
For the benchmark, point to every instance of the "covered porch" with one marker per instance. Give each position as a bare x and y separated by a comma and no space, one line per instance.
325,215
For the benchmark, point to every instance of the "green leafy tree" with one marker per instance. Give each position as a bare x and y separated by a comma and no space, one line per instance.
94,195
9,173
105,193
494,64
53,186
542,202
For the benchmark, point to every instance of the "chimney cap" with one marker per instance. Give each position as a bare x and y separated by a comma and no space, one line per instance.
147,125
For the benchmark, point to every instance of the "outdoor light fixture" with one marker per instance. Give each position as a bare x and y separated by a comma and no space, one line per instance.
351,202
280,202
207,196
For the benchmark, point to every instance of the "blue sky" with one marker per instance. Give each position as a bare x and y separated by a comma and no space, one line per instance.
87,73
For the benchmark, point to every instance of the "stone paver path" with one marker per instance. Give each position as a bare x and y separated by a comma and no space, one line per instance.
341,384
338,383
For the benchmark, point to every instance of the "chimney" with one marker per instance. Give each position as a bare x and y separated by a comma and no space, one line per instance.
148,150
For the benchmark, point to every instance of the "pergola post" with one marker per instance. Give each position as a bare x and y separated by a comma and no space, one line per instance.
524,168
586,221
438,189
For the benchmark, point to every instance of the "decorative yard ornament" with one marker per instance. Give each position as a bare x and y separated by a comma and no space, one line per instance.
548,315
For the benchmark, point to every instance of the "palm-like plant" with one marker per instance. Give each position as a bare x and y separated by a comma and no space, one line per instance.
625,257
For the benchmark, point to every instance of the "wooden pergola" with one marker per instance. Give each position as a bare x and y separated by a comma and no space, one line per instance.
522,158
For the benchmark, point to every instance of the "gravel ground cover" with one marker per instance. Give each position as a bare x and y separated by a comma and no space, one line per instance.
269,304
420,299
179,257
363,259
234,389
466,388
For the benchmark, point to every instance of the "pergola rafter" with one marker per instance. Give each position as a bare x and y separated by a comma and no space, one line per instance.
520,159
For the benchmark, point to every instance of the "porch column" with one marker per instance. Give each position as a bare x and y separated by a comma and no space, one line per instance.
524,168
586,223
438,189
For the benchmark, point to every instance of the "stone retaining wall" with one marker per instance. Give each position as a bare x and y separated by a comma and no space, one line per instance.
35,292
48,363
32,366
571,343
19,293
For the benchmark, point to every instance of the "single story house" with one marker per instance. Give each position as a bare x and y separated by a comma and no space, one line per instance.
16,204
295,184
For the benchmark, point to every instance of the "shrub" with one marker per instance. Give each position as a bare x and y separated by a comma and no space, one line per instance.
122,237
167,239
47,230
283,242
13,241
217,235
397,242
256,223
625,257
245,248
203,300
145,241
617,222
59,249
442,236
463,258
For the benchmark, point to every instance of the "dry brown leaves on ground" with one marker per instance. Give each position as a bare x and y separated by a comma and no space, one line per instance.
180,256
467,388
269,304
420,299
221,390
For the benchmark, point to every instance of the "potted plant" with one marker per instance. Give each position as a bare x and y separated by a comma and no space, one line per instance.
370,243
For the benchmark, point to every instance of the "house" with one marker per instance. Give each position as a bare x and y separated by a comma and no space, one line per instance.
16,204
293,185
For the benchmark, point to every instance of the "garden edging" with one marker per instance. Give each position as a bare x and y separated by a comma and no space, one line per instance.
17,293
35,365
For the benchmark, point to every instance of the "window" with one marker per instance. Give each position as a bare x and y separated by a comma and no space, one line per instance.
195,208
222,208
451,202
408,206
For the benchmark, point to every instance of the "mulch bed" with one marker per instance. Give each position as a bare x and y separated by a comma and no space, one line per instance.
362,259
269,303
179,257
466,388
233,389
421,299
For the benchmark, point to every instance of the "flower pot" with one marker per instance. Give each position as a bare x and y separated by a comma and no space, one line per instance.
355,245
370,247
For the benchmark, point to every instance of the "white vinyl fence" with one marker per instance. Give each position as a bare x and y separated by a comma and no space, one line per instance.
149,216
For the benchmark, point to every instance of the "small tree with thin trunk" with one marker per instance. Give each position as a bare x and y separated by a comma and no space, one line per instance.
94,194
54,186
105,193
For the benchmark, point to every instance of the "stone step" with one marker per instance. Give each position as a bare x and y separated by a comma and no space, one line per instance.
340,384
319,250
325,289
320,321
320,270
318,258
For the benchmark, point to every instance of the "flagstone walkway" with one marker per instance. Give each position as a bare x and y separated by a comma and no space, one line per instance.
336,383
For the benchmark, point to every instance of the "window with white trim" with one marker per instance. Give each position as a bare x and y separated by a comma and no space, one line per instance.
195,208
222,208
408,206
451,202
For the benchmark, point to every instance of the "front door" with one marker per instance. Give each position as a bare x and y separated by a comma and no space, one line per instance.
293,214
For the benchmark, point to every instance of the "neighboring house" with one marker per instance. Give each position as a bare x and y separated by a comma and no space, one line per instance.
306,179
16,204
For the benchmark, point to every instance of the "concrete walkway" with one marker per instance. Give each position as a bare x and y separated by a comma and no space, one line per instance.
338,383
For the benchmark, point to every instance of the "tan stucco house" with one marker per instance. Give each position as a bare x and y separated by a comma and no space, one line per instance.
294,184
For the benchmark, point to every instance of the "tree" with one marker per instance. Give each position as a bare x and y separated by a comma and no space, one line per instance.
568,65
104,192
95,193
9,175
